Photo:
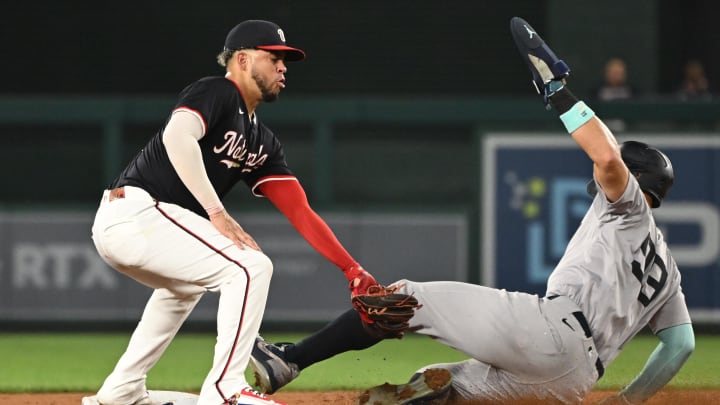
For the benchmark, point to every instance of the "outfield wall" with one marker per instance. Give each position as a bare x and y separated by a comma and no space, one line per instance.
533,197
366,164
50,271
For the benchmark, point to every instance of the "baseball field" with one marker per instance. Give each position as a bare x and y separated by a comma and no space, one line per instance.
60,368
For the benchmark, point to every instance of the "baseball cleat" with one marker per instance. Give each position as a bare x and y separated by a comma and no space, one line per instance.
249,396
431,387
269,366
544,65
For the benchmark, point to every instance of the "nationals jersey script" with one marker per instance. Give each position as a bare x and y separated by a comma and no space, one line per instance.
234,147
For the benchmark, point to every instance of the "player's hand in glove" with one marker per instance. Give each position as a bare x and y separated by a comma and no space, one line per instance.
385,312
359,279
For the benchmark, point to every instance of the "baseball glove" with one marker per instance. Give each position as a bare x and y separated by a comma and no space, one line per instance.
385,312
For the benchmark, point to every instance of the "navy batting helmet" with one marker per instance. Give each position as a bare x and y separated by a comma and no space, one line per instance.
651,168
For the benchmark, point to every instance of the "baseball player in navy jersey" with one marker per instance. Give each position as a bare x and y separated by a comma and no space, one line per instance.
616,277
162,221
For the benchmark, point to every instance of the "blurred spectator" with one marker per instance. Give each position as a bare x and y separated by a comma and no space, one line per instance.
614,86
695,84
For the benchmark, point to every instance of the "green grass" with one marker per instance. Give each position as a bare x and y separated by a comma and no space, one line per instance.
702,370
67,362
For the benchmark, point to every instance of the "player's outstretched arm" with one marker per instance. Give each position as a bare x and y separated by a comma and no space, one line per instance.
290,198
608,167
676,345
549,78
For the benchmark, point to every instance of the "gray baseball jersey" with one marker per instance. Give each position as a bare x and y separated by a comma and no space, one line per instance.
619,270
616,276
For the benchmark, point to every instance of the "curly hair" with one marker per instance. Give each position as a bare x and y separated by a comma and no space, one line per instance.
224,56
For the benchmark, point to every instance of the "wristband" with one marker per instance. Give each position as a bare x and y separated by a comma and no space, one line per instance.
576,116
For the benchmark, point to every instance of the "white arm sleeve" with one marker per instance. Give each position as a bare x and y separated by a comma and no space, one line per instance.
180,138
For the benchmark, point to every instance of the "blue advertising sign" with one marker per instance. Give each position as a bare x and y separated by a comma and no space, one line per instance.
534,196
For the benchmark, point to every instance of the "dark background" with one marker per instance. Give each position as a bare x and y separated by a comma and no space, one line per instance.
385,112
387,48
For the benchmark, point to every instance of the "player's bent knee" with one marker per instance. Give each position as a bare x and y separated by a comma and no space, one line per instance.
248,258
255,266
266,265
259,263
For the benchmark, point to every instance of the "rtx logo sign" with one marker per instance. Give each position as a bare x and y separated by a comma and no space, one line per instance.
60,266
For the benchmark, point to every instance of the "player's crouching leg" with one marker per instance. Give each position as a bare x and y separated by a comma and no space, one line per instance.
243,293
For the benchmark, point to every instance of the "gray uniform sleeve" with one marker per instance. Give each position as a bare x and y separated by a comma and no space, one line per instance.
673,313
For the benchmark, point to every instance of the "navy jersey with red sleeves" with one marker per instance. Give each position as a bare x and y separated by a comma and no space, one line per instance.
233,148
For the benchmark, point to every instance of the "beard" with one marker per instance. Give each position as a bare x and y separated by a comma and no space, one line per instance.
267,95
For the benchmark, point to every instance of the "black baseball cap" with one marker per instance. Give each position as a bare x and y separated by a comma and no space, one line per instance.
261,34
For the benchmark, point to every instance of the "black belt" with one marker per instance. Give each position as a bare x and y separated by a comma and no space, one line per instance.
588,334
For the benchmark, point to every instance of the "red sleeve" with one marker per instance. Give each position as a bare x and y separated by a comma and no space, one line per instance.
289,197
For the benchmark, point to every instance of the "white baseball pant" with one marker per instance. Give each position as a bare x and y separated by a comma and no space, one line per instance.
181,256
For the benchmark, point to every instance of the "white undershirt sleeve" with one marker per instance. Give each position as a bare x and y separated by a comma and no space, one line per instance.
180,138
